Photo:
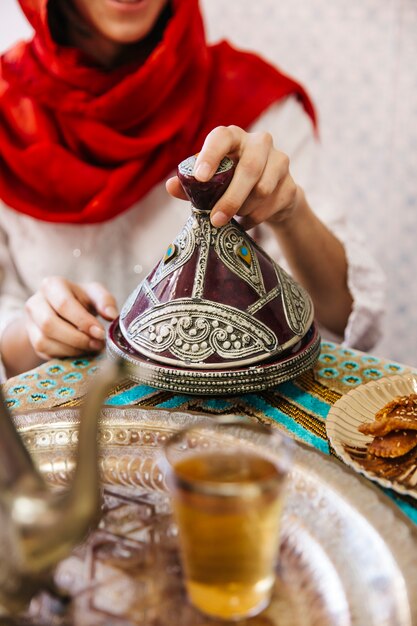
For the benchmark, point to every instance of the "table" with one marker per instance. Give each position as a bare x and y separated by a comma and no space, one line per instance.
298,407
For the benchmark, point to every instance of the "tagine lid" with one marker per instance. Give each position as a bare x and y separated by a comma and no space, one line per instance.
216,300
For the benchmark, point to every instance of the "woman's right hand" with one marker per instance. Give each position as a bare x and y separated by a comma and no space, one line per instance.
61,317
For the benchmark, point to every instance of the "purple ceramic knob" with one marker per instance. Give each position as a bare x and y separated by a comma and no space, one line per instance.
205,195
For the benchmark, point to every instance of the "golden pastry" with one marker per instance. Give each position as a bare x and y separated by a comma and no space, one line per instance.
394,428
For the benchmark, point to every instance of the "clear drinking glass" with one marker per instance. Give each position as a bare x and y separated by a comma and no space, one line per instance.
226,477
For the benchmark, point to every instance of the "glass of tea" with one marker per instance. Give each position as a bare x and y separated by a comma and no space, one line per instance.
226,477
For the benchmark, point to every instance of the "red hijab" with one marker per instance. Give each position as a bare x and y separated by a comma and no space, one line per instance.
81,145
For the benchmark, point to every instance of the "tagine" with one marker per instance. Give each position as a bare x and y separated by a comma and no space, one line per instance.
216,315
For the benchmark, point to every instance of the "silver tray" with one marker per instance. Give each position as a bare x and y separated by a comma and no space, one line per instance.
348,557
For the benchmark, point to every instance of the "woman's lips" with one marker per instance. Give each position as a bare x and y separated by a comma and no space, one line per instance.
126,5
129,2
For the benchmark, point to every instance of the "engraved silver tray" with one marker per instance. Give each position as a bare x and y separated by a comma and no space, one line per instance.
348,557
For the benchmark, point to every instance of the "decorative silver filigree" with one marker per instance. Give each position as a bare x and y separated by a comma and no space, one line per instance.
297,303
146,288
186,167
130,301
256,306
348,556
193,331
228,239
203,239
212,382
185,244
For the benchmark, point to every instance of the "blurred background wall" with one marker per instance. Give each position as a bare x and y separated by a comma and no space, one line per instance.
358,60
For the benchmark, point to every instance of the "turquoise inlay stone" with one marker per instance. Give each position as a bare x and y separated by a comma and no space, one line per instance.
372,373
327,359
29,376
352,366
93,370
46,383
18,390
394,368
171,252
244,253
12,403
352,381
328,372
54,370
81,363
37,397
63,392
328,345
68,378
371,360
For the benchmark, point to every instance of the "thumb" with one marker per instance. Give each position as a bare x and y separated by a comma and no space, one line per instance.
174,188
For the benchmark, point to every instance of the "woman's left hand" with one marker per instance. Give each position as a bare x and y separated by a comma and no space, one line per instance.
262,189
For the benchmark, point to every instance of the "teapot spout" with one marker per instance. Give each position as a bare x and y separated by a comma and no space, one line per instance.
72,514
80,506
39,526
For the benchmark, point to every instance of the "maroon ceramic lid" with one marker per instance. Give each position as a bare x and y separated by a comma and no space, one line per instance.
216,300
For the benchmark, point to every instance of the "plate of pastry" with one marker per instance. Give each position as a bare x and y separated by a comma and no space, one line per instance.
373,429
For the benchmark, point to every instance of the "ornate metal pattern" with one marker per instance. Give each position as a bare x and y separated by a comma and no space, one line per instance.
268,297
146,288
130,301
219,382
185,244
192,331
203,239
187,166
229,239
297,304
346,557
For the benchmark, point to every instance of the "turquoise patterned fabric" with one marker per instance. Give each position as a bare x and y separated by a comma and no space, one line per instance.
299,407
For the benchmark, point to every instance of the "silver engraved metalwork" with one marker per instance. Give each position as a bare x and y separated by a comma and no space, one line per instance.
130,301
185,244
187,166
212,382
228,239
298,307
146,288
192,331
203,239
256,306
348,556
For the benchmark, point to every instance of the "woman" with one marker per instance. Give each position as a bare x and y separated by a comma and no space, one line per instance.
97,110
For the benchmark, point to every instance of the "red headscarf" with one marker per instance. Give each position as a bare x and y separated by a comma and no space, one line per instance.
81,145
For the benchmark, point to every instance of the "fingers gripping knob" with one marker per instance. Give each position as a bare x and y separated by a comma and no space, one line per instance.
204,195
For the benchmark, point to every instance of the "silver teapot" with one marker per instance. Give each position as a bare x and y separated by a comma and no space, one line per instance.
40,526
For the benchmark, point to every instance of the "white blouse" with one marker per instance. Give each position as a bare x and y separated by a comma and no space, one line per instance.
120,253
